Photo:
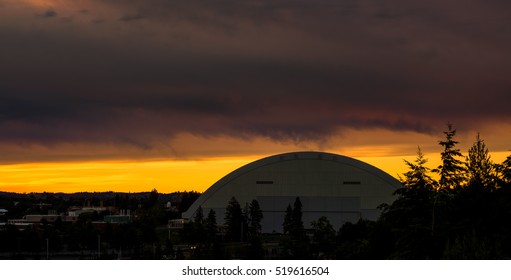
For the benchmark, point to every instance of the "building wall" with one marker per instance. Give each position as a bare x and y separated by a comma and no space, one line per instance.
340,188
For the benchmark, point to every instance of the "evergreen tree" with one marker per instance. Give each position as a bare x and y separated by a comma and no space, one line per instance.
451,171
413,216
199,216
298,243
297,229
198,225
417,178
293,224
505,170
211,226
287,219
234,221
480,168
255,217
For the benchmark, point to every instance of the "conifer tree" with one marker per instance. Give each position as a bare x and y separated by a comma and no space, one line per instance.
417,178
480,168
211,226
199,216
505,170
198,225
293,224
234,220
255,217
451,170
297,230
415,208
297,245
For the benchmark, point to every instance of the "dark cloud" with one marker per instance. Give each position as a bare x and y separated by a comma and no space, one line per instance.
286,70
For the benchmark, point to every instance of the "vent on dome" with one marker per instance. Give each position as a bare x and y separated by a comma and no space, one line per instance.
264,182
351,183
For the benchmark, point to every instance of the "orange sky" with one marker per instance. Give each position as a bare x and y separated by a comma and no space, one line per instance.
169,175
139,176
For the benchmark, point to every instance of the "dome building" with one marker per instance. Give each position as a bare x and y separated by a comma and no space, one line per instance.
340,188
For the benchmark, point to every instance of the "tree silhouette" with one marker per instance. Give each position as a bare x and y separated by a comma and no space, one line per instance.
293,224
199,216
198,226
297,230
417,178
255,215
412,216
214,243
480,168
234,221
323,237
211,226
298,244
451,170
505,170
288,219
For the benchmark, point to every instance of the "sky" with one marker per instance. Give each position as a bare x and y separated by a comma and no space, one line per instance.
130,95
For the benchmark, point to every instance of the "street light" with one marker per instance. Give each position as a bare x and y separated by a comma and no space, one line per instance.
47,248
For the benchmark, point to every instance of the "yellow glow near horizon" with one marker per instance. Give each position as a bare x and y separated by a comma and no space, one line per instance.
165,176
132,176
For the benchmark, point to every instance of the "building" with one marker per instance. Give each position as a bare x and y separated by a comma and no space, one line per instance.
340,188
117,219
78,210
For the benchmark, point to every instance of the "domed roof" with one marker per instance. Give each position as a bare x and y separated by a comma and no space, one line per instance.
328,184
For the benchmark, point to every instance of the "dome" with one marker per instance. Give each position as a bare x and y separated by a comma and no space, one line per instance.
340,188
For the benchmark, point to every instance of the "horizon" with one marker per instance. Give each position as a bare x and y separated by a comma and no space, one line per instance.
98,183
129,95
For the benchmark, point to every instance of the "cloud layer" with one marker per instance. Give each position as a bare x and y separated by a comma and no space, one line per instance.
141,73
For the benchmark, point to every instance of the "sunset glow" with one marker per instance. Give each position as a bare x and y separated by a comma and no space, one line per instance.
165,176
142,176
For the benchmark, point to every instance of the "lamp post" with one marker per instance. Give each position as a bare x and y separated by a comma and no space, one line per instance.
47,248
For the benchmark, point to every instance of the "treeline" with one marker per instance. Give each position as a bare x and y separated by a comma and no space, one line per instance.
463,214
239,237
459,210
